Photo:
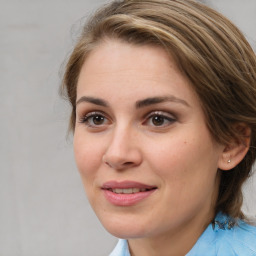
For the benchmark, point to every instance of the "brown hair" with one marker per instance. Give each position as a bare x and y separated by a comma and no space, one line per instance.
207,48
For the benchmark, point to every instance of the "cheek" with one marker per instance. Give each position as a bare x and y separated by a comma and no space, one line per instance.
169,155
87,156
185,159
187,173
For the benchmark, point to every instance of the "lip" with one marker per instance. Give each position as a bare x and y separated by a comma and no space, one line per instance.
125,184
126,199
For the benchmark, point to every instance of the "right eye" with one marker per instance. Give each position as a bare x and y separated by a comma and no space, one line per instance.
94,119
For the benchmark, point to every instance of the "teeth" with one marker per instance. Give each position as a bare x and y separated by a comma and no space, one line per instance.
118,190
128,190
135,190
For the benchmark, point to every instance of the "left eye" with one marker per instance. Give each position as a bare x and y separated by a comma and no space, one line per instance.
159,120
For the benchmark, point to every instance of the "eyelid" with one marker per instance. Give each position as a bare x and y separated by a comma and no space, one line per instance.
170,118
160,113
89,114
84,119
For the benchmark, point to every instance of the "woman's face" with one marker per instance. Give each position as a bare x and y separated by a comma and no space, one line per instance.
147,160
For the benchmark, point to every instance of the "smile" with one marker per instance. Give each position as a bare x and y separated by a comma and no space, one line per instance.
128,190
126,193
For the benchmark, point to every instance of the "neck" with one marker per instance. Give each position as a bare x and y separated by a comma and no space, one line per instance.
177,242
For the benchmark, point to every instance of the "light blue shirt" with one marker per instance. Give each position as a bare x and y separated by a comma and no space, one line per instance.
223,238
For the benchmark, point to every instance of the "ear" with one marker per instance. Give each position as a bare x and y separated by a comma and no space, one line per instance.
236,150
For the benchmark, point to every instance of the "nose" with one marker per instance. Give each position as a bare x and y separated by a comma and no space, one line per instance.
123,150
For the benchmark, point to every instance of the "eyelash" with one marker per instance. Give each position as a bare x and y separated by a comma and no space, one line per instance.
165,117
88,118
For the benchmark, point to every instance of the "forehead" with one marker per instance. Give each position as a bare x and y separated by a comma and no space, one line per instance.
118,68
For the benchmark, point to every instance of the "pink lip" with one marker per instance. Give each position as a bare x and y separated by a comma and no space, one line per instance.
126,199
125,184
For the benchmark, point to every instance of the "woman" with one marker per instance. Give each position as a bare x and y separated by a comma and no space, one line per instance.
163,99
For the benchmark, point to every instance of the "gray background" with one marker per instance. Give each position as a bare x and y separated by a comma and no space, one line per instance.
43,208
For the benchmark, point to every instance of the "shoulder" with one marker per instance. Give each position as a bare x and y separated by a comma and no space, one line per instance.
241,239
223,237
226,237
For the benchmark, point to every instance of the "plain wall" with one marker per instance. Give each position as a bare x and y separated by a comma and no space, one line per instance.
43,207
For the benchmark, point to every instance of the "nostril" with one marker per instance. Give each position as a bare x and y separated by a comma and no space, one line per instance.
108,164
118,165
128,163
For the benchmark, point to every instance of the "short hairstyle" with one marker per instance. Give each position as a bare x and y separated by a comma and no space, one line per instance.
209,50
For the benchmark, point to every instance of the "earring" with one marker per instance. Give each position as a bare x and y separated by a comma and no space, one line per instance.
229,161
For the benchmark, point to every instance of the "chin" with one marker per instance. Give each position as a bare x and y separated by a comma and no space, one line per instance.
124,233
125,227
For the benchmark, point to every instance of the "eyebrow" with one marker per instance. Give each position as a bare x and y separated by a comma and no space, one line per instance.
95,101
156,100
139,104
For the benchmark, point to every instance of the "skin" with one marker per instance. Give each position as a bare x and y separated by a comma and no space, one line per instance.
122,142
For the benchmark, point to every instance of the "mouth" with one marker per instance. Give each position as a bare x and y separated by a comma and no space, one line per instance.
128,190
126,193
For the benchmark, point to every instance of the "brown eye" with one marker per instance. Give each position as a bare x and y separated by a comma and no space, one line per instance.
158,120
95,120
98,119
